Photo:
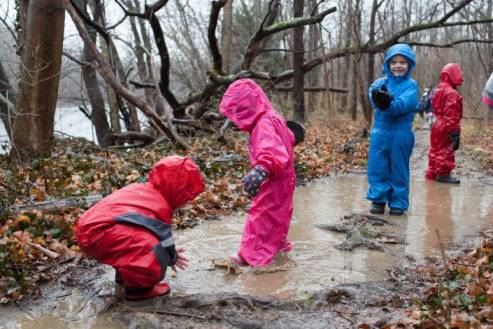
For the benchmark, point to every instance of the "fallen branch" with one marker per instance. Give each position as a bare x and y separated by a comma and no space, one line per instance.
45,251
84,201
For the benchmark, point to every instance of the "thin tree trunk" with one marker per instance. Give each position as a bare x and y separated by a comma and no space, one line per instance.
94,92
313,46
40,75
298,59
7,104
490,47
113,102
347,59
371,57
227,35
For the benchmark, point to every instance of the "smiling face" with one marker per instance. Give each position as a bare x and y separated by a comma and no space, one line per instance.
398,65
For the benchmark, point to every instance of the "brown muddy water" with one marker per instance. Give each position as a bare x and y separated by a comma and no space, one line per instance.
457,212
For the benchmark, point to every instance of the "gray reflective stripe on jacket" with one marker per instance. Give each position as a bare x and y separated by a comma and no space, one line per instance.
161,229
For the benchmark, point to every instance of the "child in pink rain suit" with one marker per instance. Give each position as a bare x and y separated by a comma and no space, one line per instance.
271,181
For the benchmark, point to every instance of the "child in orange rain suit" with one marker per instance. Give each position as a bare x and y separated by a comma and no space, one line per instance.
130,229
445,133
271,181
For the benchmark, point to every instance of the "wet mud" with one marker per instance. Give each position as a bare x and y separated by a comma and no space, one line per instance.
347,266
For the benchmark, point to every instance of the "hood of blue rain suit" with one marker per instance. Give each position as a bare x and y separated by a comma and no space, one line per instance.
178,179
403,50
243,103
452,74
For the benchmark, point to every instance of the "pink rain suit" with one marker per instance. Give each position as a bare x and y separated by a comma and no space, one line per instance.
271,146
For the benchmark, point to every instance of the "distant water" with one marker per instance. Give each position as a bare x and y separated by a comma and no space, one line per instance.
69,121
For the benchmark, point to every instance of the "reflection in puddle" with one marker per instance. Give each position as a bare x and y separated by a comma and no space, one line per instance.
457,212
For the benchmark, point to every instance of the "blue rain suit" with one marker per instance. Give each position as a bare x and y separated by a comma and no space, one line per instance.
392,138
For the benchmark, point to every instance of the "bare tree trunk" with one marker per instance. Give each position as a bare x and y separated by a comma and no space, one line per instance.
313,45
40,74
489,28
298,59
93,88
7,102
21,32
371,57
113,102
347,59
227,35
326,100
362,86
145,67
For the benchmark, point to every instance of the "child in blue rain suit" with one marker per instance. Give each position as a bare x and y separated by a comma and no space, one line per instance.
394,98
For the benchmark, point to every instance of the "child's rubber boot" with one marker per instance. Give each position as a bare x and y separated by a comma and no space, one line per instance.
377,208
237,260
286,246
447,179
137,294
396,212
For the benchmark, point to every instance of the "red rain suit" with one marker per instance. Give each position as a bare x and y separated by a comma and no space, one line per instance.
130,229
270,146
447,107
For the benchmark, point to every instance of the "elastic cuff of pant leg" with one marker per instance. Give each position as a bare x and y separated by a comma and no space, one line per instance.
137,290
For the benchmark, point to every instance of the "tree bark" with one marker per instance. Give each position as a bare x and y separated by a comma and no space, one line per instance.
94,91
371,57
298,59
40,73
227,35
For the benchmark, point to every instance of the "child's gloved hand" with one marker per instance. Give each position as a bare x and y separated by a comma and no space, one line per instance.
455,139
253,180
381,98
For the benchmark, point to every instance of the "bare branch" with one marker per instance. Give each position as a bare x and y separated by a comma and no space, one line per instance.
214,16
256,42
11,31
105,71
447,45
90,22
142,85
315,89
75,60
165,64
381,47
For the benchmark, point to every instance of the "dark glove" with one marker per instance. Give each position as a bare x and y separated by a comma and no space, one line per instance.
381,98
173,255
455,139
253,180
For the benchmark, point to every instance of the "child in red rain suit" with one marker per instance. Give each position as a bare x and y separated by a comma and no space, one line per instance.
272,175
130,229
445,133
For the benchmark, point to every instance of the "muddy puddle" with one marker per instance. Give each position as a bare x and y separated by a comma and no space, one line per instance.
457,212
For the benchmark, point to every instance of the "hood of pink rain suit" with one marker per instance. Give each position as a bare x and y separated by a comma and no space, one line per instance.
243,103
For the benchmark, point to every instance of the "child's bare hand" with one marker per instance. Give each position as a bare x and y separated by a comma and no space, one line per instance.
181,261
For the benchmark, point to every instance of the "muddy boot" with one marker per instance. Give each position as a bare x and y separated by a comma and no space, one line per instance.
377,208
447,179
237,260
119,291
138,294
396,212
